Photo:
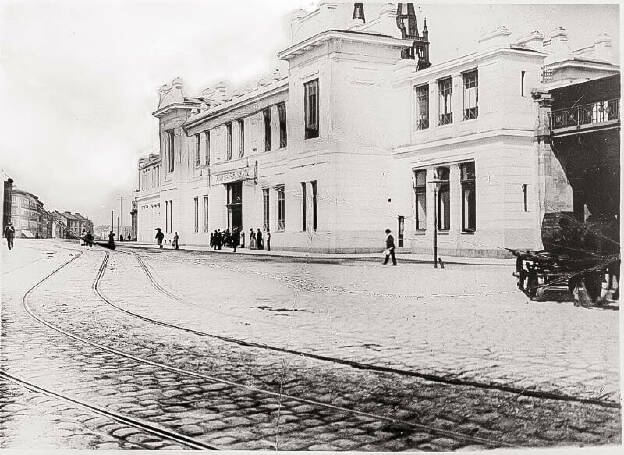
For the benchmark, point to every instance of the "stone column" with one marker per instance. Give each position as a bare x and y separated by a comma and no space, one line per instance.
554,190
457,98
455,199
433,106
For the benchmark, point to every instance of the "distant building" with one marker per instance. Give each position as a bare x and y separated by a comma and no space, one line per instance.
59,225
26,214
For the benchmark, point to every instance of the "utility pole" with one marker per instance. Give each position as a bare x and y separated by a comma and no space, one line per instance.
120,216
112,225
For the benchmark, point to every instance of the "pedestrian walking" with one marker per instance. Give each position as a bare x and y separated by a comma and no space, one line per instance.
235,238
219,239
159,237
211,240
89,239
176,241
9,233
83,237
389,248
111,240
259,241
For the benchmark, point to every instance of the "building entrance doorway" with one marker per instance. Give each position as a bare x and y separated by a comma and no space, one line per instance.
235,205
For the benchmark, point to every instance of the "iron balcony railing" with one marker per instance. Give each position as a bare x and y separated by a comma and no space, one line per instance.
585,114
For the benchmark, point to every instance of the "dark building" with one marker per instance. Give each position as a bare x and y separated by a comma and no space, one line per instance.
585,138
6,204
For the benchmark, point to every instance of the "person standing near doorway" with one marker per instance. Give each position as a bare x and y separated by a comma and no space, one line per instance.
259,240
176,239
390,248
235,238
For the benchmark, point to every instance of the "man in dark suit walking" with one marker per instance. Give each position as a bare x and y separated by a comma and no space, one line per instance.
389,248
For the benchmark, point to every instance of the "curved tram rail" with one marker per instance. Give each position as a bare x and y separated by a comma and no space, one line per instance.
139,424
190,442
355,364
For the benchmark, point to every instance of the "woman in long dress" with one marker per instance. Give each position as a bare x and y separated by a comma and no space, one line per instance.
252,240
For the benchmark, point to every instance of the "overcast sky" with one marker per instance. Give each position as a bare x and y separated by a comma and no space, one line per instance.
79,80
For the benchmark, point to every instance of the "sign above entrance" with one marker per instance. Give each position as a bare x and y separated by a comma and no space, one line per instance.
234,175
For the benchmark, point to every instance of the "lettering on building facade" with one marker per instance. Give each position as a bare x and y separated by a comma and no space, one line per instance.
234,175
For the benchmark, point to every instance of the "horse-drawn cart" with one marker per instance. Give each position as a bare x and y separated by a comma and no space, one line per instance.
580,261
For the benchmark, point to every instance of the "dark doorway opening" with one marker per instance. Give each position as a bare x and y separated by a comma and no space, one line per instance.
235,205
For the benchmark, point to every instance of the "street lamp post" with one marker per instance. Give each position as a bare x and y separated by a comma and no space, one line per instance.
435,185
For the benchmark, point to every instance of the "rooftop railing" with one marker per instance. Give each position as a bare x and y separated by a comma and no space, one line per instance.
585,114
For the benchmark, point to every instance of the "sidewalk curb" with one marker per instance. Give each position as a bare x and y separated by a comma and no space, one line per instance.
318,259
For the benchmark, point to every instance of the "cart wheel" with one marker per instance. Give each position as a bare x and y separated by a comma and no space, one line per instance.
588,290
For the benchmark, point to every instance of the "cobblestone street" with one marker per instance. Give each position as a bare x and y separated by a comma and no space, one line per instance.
149,349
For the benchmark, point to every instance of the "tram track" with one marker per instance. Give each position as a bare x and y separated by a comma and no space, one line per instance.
540,394
190,442
135,423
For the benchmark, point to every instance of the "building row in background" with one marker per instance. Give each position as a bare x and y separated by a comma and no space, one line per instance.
364,133
30,220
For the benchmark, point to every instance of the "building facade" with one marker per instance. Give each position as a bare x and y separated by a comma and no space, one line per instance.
346,143
26,214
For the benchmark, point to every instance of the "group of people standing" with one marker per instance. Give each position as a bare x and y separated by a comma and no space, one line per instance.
236,238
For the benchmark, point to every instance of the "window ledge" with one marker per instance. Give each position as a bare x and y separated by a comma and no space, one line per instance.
468,232
445,232
420,232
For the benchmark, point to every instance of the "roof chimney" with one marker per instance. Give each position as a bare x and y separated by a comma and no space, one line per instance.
496,39
603,49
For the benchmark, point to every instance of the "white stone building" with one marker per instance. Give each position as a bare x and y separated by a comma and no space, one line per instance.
327,156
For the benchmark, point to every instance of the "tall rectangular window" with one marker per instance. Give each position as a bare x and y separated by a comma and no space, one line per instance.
445,93
265,209
314,204
205,213
241,138
197,149
281,208
228,127
525,197
207,132
196,212
444,200
166,216
170,216
281,112
420,191
522,74
304,207
422,107
311,106
471,95
170,150
469,208
267,129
